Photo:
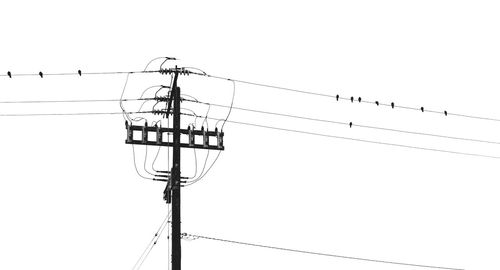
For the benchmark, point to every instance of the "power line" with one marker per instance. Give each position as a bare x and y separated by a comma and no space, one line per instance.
153,242
348,123
66,114
192,236
362,140
71,101
338,97
78,73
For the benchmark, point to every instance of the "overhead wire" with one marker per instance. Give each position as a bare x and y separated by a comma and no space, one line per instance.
153,241
158,58
68,114
12,75
136,169
126,117
194,237
70,100
205,122
362,140
348,123
168,124
337,97
203,173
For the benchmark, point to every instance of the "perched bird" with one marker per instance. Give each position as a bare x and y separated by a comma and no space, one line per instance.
41,74
359,99
350,124
422,109
80,72
9,74
445,113
337,97
376,102
392,105
352,99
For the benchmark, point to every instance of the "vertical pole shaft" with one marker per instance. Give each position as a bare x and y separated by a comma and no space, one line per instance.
176,176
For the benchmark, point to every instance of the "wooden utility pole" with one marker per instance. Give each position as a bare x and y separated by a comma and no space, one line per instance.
172,193
176,175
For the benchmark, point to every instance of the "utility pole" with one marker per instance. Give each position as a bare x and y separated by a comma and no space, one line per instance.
176,176
172,193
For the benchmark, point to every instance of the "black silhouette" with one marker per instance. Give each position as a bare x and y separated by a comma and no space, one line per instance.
359,99
41,74
392,105
80,72
10,74
352,99
445,113
337,97
350,124
422,109
376,102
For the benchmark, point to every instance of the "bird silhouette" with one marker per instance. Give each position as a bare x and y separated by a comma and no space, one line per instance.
376,102
392,105
445,113
41,74
422,109
350,124
337,97
359,99
352,99
9,74
80,72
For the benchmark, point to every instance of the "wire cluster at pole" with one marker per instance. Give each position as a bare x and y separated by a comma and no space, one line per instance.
152,108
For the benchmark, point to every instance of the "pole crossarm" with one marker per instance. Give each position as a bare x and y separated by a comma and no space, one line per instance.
154,135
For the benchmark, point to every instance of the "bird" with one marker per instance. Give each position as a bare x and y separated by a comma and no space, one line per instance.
350,124
445,113
359,99
337,97
80,72
9,74
376,102
41,74
422,109
352,99
392,105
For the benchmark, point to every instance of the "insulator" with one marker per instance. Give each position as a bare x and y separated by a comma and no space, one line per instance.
159,135
191,136
220,139
205,138
162,99
129,132
145,132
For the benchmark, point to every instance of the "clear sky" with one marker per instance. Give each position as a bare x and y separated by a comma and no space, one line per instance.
70,197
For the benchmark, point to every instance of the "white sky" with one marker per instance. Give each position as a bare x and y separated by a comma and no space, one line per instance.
70,197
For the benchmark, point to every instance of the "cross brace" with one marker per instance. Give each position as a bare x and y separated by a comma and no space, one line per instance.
159,135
